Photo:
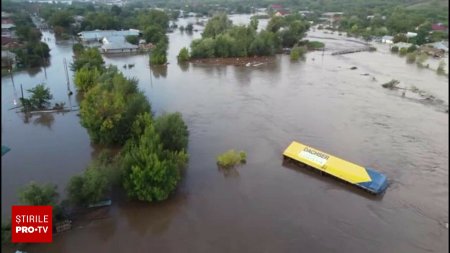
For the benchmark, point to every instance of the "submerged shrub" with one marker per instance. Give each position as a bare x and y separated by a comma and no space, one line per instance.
441,68
394,49
411,57
403,51
231,158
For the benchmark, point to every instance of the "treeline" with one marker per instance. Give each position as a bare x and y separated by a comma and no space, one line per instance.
393,22
223,39
79,17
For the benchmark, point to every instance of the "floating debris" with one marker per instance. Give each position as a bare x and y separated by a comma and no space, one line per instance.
130,66
391,84
353,68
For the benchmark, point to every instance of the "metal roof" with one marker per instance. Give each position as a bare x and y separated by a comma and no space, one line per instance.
100,34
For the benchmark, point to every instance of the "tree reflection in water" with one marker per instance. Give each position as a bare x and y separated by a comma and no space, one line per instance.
44,119
159,71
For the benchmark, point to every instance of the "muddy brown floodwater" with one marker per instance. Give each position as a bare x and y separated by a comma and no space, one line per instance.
263,206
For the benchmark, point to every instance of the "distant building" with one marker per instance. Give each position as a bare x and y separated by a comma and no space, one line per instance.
305,13
276,7
281,13
331,17
387,39
8,30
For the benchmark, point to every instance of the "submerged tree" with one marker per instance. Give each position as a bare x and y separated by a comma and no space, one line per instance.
39,99
151,172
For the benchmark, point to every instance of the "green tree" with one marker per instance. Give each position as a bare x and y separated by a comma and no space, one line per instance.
151,173
153,34
202,48
183,55
87,188
172,131
90,57
86,78
153,18
39,195
110,106
265,43
297,53
39,99
77,49
158,55
401,37
61,18
216,25
275,24
133,39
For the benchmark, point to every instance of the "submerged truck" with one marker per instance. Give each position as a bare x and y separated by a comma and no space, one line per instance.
362,177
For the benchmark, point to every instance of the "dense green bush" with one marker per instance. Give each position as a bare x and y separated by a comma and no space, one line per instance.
231,158
314,45
394,49
297,53
87,188
86,78
403,51
90,57
77,48
132,39
39,195
158,55
183,55
411,49
172,131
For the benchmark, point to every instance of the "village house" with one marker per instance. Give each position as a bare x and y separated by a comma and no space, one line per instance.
331,18
110,41
117,44
439,27
98,35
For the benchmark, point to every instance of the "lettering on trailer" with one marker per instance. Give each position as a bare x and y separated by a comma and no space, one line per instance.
314,156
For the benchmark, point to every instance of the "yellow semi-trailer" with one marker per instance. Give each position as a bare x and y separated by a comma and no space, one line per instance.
366,178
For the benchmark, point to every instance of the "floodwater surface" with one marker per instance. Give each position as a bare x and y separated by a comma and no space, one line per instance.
264,205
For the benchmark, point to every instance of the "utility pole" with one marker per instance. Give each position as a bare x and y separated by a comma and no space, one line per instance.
67,77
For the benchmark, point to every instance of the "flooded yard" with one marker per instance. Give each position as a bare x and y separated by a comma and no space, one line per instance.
264,206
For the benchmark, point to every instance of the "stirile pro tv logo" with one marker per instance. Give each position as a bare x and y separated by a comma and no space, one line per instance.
31,224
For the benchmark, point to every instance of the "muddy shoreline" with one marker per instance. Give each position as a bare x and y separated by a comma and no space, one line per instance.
236,61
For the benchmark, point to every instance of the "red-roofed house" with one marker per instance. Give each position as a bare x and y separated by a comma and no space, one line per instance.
439,27
276,7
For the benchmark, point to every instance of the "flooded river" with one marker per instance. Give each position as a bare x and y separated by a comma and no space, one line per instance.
263,206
